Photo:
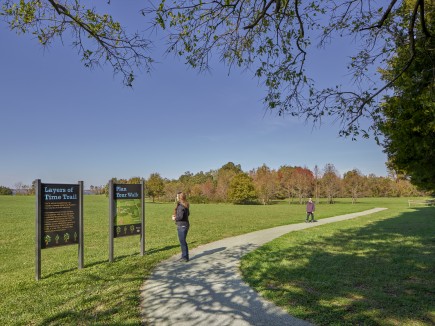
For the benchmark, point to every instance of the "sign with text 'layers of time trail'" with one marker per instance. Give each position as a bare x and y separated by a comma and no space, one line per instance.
60,215
58,219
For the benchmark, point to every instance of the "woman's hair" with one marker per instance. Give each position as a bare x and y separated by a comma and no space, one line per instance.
182,199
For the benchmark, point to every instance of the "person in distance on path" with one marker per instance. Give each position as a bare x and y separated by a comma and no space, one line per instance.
311,207
181,218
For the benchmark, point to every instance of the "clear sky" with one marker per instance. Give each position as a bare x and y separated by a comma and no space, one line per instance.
61,122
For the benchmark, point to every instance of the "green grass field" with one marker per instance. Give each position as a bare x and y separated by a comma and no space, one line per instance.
375,270
106,293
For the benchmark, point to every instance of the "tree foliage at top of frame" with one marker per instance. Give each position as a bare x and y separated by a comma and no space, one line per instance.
98,38
272,38
408,121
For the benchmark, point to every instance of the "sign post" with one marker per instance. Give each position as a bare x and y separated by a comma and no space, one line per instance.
81,228
142,233
112,213
38,196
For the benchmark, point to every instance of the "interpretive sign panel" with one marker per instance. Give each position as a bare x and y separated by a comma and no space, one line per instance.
60,214
128,218
58,219
126,213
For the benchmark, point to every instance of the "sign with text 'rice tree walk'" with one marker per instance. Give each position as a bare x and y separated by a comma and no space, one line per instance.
59,218
127,213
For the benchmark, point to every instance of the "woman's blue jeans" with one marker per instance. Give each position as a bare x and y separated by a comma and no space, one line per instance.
182,235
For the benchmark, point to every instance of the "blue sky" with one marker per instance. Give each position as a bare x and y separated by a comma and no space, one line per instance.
61,122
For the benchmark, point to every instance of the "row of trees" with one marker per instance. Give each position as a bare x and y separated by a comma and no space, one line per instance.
262,185
5,191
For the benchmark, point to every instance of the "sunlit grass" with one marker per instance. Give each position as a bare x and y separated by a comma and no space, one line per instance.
374,270
106,293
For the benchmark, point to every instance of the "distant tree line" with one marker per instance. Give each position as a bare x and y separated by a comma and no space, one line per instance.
20,189
5,191
230,184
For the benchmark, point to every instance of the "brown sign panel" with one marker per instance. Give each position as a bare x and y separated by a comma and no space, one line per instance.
60,214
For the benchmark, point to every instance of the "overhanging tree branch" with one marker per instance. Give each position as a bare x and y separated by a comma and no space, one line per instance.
260,16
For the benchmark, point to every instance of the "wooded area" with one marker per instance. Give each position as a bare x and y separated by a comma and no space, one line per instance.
263,185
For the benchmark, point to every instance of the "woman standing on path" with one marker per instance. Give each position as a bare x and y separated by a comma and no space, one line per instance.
181,218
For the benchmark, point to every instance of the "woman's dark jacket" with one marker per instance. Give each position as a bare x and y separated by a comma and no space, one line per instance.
182,215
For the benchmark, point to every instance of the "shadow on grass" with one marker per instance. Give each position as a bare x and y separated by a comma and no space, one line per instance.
99,313
116,259
88,265
380,273
156,250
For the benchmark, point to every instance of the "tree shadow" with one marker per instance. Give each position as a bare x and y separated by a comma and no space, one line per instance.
207,252
91,312
188,294
115,259
157,250
383,271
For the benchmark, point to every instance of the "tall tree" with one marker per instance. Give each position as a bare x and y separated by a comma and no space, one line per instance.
317,175
331,182
207,189
187,180
230,166
379,186
409,114
285,177
303,181
224,176
171,187
241,189
266,183
354,184
155,186
5,191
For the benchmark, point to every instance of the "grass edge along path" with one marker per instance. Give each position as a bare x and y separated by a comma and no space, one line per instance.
375,270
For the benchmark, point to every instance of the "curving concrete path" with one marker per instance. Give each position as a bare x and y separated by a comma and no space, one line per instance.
209,289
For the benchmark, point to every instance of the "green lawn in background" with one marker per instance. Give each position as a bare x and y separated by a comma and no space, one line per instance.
106,293
375,270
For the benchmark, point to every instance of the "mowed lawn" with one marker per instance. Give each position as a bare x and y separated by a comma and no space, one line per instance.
375,270
106,293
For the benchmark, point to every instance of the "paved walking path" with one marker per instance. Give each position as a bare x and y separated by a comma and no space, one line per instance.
209,290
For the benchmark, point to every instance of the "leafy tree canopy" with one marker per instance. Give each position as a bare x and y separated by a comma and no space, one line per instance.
98,38
242,190
5,191
155,186
409,114
272,38
230,166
